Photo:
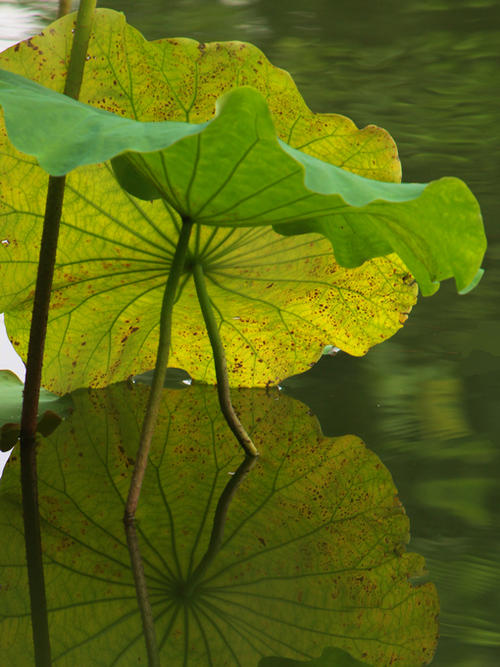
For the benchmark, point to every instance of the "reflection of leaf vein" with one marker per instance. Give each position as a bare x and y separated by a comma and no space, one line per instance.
140,635
217,629
232,623
304,605
204,517
87,546
223,588
259,631
172,525
93,601
171,623
203,635
293,540
186,635
102,631
81,573
261,614
139,529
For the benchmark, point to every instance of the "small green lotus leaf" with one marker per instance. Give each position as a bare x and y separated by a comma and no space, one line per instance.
308,552
51,409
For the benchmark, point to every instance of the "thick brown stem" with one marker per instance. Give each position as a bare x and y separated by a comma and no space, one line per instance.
48,249
141,589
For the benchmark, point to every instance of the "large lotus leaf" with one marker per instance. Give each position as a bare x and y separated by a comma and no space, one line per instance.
310,553
115,252
180,80
279,300
297,193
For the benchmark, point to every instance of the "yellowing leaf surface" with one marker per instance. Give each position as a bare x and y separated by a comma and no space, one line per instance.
279,300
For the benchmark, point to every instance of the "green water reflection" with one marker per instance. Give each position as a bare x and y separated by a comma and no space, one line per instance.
427,401
296,553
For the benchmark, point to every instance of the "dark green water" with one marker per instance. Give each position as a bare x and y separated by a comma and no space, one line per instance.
427,401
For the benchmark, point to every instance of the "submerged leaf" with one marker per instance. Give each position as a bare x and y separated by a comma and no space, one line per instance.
308,554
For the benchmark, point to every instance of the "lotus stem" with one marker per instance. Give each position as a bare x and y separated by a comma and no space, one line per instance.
64,8
47,257
220,364
221,515
155,393
141,588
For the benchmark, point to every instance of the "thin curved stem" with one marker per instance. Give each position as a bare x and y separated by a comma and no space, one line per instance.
220,364
155,393
47,258
220,517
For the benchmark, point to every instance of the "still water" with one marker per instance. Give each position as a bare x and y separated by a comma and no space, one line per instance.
426,402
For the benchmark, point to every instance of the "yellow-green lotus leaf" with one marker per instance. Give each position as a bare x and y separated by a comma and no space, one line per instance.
279,299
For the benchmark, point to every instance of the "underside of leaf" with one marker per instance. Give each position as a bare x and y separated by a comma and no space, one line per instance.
279,298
